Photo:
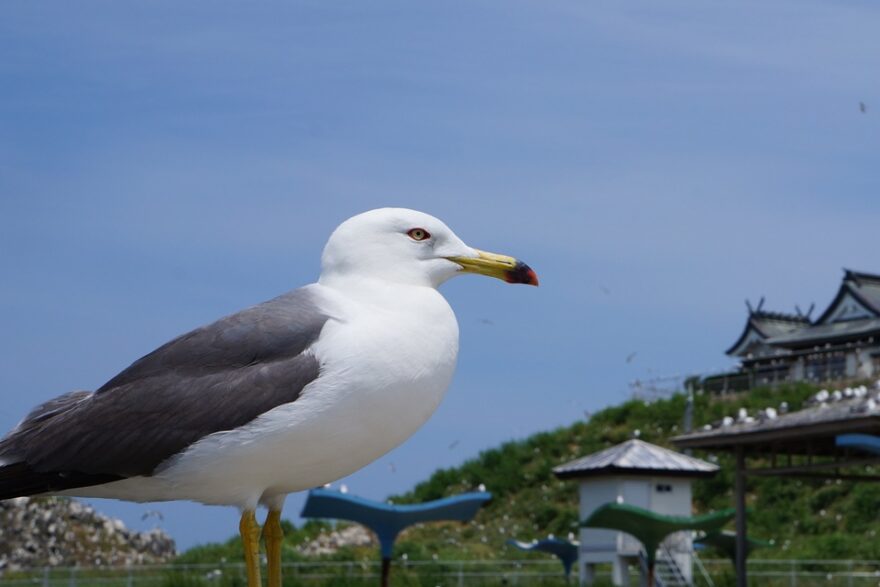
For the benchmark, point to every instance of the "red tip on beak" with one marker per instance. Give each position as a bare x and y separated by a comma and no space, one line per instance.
522,273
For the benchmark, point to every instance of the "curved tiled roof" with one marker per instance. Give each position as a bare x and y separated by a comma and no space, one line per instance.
864,287
769,325
788,331
828,332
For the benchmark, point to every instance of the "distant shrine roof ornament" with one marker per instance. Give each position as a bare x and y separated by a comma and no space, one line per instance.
853,313
762,325
801,314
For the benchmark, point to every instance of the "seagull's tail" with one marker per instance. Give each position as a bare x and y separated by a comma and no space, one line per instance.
20,480
19,476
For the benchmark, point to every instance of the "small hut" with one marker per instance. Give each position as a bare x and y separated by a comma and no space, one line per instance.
639,474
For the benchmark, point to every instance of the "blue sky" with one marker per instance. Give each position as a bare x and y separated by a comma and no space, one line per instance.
163,164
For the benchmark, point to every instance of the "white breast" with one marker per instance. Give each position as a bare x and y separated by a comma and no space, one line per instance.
386,361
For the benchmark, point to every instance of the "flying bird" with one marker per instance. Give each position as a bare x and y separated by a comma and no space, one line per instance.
286,395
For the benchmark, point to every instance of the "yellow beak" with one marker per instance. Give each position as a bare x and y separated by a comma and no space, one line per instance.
499,266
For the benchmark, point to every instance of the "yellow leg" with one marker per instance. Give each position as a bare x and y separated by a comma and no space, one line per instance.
250,539
274,536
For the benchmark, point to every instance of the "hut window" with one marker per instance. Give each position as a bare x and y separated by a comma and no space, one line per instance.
663,488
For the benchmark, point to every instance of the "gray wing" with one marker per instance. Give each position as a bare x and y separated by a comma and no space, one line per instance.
212,379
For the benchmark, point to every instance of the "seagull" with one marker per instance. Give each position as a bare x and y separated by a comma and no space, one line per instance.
286,395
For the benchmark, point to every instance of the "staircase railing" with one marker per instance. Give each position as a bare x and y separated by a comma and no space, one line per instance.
672,565
698,563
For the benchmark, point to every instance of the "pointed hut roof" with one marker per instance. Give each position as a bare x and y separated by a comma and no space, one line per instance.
636,457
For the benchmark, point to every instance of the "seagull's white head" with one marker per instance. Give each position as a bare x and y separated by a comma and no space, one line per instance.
409,247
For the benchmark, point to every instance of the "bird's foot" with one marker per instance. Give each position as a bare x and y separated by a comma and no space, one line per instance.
274,538
250,538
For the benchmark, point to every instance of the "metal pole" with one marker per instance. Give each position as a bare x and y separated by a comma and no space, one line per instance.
386,570
689,414
740,489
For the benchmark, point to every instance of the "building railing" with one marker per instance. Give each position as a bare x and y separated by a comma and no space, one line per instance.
451,573
762,572
802,572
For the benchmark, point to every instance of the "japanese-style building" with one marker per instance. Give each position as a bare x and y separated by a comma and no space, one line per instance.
842,343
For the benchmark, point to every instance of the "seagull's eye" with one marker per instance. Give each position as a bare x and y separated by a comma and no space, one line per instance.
418,234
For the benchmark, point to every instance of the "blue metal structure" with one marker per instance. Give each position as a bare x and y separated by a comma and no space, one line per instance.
865,442
388,520
566,551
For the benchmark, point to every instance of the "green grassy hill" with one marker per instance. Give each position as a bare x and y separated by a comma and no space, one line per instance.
805,519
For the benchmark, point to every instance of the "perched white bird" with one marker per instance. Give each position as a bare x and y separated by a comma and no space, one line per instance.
290,394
